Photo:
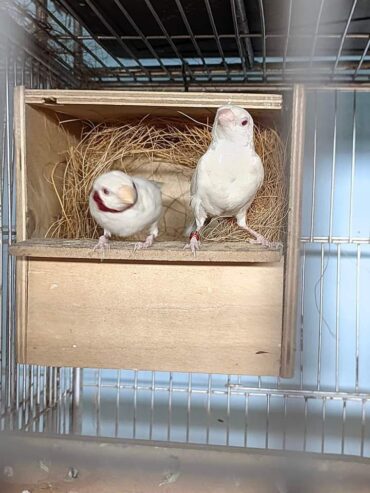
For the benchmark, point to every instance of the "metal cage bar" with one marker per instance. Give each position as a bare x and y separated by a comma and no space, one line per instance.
329,396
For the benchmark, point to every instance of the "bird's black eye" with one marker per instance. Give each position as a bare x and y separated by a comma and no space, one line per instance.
106,191
244,123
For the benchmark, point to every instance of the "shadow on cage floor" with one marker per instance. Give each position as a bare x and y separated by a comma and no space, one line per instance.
38,464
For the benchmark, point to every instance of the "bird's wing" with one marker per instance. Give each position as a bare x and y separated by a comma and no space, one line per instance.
194,182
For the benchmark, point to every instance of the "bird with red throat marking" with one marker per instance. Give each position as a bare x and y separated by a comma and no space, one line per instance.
125,205
227,176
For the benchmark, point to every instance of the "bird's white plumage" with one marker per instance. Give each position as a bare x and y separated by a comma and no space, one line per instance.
230,173
143,214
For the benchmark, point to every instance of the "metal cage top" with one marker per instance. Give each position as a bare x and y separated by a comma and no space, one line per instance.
190,43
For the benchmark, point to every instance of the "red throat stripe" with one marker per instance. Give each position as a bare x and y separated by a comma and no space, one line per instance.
101,206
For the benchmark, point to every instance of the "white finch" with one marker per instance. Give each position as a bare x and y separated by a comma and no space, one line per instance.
125,205
228,175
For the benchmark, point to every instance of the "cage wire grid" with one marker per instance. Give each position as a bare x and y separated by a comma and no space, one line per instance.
316,40
323,409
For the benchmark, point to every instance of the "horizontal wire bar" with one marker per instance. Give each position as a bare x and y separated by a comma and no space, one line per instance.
350,240
237,389
159,37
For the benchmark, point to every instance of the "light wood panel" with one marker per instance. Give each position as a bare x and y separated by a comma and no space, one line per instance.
219,319
46,143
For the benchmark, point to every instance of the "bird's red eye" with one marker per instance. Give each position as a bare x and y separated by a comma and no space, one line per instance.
106,191
244,123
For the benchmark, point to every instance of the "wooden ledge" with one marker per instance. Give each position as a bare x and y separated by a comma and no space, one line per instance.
169,251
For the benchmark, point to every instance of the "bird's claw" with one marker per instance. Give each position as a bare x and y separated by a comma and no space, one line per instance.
140,245
103,244
261,240
194,245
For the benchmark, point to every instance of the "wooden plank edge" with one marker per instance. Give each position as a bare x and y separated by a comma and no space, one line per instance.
122,98
167,252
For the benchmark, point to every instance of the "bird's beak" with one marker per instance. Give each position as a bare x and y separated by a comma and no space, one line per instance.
225,116
127,194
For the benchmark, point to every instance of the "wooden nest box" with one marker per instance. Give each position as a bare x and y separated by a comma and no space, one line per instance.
231,309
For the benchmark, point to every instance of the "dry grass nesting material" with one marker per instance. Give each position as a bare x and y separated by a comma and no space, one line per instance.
167,150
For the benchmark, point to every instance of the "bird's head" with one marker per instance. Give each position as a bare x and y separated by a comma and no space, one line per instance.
233,123
113,192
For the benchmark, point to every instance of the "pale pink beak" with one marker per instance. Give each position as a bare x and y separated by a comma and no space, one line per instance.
225,116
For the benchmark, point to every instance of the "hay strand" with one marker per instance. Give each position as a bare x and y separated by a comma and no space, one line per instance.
179,143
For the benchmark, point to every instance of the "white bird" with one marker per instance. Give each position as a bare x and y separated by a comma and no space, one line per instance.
125,205
228,175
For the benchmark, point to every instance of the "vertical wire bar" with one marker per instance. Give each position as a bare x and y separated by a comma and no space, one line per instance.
285,422
263,32
319,347
237,39
344,418
143,37
315,36
364,53
170,392
208,407
118,395
323,425
135,405
123,45
152,407
55,385
38,385
357,318
363,427
192,37
76,424
188,409
301,336
268,397
61,400
216,36
50,385
337,327
353,164
287,37
151,423
246,411
97,403
44,388
305,424
344,35
167,36
228,407
75,38
313,189
333,168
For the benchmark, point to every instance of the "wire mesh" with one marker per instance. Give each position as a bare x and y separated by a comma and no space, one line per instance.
324,408
320,40
28,394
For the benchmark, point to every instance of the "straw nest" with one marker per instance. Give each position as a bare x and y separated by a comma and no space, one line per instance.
166,150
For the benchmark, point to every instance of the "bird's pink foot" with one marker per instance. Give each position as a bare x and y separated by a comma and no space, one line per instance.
194,242
103,243
261,240
144,244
